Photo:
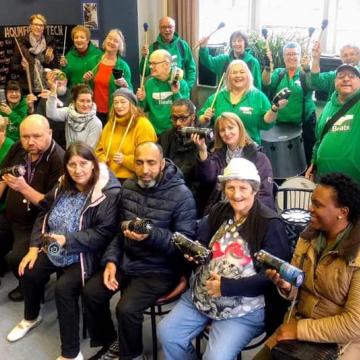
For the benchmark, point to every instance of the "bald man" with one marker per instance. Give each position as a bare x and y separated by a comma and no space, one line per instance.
42,158
133,260
178,48
160,92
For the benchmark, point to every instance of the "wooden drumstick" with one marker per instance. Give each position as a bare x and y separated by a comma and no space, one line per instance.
220,26
18,46
324,25
36,71
217,91
265,34
27,69
126,132
110,142
63,53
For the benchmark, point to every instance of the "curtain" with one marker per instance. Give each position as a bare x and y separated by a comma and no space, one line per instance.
186,15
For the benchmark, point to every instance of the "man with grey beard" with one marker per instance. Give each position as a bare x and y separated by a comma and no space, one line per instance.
143,266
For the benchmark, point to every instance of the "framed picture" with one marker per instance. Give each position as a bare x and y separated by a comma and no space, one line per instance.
90,15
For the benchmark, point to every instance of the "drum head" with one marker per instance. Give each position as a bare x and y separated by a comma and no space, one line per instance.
295,198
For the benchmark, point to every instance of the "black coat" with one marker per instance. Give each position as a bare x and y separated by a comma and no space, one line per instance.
171,207
98,222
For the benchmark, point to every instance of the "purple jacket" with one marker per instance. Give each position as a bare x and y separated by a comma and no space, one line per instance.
208,171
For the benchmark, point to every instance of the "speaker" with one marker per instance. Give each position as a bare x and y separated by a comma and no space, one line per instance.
207,77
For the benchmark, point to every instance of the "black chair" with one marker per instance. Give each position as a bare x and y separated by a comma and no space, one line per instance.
157,310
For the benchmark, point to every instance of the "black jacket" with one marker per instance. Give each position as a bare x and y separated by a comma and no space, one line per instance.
98,222
171,207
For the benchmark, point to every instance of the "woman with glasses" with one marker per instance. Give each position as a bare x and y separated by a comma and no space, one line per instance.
78,219
300,110
38,51
107,72
126,129
238,50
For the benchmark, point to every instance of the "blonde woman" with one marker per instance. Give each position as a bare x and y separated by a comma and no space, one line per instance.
127,127
242,98
108,71
232,141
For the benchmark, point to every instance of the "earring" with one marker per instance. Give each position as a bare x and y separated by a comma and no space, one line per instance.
339,217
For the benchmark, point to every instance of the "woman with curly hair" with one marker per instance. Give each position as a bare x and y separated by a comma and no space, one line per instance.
328,251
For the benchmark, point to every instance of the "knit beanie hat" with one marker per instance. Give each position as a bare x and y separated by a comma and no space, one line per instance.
240,169
126,93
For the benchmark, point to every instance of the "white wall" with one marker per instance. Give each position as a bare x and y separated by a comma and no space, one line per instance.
150,11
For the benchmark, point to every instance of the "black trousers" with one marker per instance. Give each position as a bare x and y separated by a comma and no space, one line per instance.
67,293
308,128
14,243
137,294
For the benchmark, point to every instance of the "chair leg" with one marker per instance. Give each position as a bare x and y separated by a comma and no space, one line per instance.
153,331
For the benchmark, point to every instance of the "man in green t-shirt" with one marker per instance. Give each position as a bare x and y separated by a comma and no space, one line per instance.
325,81
338,149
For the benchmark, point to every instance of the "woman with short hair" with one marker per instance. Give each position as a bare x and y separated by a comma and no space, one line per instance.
78,219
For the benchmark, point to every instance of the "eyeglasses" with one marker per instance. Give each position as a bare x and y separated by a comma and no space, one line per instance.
181,118
291,54
154,63
342,75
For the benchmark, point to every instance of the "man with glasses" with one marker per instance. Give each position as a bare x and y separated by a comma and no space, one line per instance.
42,159
338,134
300,110
161,90
179,49
325,81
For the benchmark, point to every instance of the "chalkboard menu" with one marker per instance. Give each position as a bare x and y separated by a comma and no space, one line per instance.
7,45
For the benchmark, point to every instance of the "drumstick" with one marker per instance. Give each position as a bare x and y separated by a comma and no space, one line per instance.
18,45
217,91
101,59
27,70
126,132
220,26
324,25
110,142
63,53
265,33
311,31
146,28
36,70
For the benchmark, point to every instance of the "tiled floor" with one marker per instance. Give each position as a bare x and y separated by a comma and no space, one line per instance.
43,342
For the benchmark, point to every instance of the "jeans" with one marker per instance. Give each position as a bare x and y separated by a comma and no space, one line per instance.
226,337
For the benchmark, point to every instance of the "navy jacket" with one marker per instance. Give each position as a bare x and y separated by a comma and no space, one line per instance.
171,207
98,222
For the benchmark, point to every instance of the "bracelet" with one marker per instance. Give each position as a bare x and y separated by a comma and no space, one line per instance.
274,108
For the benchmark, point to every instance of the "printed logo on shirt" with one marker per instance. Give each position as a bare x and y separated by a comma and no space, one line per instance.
164,98
246,110
343,124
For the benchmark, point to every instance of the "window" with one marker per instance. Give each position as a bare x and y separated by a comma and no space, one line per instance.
292,16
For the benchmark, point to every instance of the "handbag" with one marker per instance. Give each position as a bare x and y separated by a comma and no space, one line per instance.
304,350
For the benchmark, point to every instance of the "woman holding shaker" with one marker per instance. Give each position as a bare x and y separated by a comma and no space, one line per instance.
108,71
328,251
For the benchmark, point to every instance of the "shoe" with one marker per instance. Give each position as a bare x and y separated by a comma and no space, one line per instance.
100,353
78,357
16,295
21,329
112,353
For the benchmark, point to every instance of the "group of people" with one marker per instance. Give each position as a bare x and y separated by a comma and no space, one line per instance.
92,156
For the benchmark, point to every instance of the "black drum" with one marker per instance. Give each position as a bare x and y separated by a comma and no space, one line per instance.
284,146
296,221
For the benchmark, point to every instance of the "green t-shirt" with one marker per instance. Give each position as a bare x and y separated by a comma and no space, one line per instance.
158,101
339,149
292,112
251,109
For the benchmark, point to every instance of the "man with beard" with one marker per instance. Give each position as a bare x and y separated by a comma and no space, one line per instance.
143,266
42,158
